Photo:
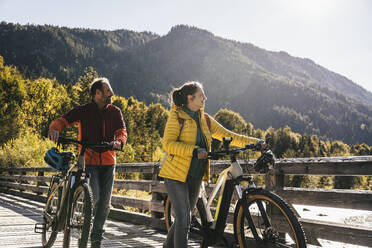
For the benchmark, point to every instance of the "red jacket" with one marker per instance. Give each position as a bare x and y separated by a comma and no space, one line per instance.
95,126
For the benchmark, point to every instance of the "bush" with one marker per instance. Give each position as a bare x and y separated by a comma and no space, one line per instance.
27,149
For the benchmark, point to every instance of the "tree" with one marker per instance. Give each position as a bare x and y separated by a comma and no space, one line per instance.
232,121
12,97
47,100
82,86
156,118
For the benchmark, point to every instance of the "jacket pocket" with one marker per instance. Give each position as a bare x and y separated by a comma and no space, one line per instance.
170,157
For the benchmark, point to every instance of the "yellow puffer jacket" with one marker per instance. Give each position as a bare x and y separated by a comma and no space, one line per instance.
180,146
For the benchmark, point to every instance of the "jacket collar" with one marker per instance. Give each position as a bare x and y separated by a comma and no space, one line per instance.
96,106
182,114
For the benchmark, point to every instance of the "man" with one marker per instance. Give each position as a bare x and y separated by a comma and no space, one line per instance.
98,121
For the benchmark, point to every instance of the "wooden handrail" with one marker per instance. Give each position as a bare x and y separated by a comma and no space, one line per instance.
32,182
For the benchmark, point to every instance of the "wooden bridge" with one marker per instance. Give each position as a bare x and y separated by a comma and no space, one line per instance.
138,222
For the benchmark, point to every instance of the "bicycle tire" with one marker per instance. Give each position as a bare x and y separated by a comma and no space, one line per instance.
79,217
283,220
168,218
49,233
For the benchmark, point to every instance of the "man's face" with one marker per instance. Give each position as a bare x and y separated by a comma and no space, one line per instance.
106,94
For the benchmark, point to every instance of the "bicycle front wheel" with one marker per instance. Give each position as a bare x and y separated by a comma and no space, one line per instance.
49,233
79,218
268,221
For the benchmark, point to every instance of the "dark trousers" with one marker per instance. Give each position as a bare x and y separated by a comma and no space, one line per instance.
101,182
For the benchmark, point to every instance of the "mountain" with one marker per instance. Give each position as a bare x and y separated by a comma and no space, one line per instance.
267,88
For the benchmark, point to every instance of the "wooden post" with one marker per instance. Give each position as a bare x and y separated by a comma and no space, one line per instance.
274,182
40,174
155,196
23,173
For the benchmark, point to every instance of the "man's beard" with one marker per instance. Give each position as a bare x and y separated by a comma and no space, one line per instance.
108,100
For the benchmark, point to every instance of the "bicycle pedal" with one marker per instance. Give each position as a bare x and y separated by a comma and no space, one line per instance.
39,228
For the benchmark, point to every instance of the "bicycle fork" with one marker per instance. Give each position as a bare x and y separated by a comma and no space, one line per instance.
247,213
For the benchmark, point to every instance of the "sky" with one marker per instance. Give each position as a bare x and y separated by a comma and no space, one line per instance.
336,34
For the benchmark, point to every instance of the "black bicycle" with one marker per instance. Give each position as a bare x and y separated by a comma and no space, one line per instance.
69,205
261,217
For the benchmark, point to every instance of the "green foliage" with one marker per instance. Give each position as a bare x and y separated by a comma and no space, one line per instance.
28,106
128,156
82,86
145,127
26,103
266,88
232,121
12,97
47,100
338,148
361,150
27,149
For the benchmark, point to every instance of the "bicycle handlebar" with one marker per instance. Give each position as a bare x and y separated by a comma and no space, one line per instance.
250,146
263,164
103,145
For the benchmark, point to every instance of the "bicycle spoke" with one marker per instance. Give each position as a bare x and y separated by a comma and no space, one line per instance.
80,216
49,232
275,224
77,219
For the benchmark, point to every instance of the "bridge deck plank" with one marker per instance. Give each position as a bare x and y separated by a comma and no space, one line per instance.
18,217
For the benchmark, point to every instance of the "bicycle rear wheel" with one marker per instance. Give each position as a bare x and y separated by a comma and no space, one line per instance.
195,220
273,223
49,233
79,218
168,218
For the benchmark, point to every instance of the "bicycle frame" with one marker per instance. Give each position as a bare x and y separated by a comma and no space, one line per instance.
264,221
66,181
228,179
226,182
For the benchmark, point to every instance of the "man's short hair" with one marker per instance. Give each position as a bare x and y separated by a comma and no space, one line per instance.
97,84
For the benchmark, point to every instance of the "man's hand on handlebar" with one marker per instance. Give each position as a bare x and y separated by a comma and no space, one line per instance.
116,145
53,135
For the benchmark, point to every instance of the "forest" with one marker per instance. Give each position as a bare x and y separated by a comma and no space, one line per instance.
27,107
268,89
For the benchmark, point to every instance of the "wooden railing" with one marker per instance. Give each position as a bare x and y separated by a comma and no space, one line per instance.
32,182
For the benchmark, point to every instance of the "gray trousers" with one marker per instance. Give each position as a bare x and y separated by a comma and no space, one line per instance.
101,182
183,197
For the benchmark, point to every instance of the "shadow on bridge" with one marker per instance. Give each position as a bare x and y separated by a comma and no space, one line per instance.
18,217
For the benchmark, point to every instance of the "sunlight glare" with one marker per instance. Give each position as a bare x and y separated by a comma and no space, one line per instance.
315,9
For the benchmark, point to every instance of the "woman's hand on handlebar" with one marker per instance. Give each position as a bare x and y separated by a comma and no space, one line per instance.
261,145
200,153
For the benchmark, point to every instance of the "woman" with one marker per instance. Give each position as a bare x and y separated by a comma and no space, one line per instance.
187,138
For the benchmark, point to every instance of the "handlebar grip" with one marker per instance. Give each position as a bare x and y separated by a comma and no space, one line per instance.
62,140
250,146
108,145
213,155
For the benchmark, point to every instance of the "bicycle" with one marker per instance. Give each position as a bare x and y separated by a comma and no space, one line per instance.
260,216
69,205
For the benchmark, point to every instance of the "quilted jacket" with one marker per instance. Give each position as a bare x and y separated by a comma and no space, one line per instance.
180,145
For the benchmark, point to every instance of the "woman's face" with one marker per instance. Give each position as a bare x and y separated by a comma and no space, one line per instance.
197,100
